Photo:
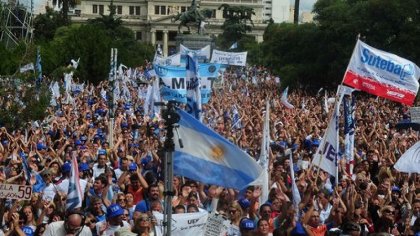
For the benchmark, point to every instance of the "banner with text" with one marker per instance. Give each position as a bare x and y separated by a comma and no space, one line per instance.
203,54
174,83
208,73
383,74
173,60
229,58
14,191
183,224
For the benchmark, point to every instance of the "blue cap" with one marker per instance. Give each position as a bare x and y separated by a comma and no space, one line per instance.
283,144
247,224
132,167
101,152
66,167
83,138
78,142
40,146
114,210
83,167
315,142
395,189
124,125
88,116
244,203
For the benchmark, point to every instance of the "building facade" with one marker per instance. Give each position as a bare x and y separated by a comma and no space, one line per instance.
277,10
151,20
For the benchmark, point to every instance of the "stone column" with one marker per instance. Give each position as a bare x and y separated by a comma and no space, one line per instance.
153,37
165,43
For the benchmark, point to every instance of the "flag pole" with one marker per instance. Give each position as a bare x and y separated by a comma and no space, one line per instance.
331,115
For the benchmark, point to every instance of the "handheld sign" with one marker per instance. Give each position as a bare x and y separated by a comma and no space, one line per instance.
14,191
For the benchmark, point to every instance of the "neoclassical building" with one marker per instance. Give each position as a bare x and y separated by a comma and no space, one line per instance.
151,20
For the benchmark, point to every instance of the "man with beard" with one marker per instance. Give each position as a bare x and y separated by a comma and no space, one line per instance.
144,206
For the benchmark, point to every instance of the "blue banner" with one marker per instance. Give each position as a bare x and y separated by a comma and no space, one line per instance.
208,73
174,83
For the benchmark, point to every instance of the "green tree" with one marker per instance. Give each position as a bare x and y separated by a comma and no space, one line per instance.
238,22
46,24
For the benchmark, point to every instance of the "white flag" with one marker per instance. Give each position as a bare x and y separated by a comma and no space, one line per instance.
265,154
409,162
74,194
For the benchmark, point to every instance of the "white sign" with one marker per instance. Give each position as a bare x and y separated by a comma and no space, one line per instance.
183,224
229,58
415,114
215,225
14,191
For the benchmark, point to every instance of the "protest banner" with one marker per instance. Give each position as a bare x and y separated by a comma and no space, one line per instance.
415,114
229,58
215,225
183,224
14,191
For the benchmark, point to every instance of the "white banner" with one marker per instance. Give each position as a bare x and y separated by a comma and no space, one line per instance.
27,67
415,114
14,191
409,162
173,60
203,53
382,74
229,58
183,224
77,87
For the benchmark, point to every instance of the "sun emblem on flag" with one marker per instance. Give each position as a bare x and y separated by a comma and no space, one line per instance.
217,153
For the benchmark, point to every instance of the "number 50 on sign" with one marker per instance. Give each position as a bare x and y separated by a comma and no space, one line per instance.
14,191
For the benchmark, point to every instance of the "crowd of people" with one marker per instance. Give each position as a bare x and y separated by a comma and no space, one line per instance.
122,182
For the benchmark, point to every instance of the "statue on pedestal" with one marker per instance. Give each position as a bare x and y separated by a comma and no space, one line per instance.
193,17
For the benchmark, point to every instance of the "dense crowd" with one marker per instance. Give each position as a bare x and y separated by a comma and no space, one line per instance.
122,182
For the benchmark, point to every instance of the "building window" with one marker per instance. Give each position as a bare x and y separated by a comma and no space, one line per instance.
119,10
101,9
213,14
183,9
138,35
163,10
95,9
157,8
131,10
137,10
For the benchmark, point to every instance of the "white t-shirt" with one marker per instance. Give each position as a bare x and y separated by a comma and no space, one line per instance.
49,192
57,228
110,229
64,185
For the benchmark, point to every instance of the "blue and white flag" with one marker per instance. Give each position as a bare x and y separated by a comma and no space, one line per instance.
211,159
284,99
208,73
193,87
327,152
74,194
264,160
236,120
234,45
409,161
295,190
38,66
349,128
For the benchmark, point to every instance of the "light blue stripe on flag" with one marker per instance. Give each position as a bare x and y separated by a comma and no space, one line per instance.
209,158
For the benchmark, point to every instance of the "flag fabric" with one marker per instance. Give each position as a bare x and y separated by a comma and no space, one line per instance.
383,74
74,194
326,154
326,108
345,90
25,166
409,162
234,46
193,87
211,159
39,183
38,65
284,99
264,160
27,67
236,120
295,190
349,128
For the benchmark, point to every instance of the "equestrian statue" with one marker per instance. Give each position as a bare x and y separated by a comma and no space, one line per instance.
193,17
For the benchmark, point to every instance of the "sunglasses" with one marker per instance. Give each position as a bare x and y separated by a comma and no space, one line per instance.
121,200
389,211
232,211
144,219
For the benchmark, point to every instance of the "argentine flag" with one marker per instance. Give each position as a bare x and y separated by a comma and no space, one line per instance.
74,194
209,158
